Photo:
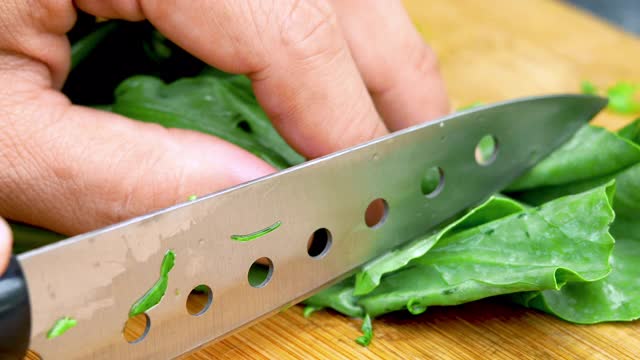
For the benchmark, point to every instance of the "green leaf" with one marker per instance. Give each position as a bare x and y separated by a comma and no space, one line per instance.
222,106
367,331
620,148
631,131
500,247
563,241
82,48
153,296
308,310
616,297
588,88
61,326
257,234
593,152
27,237
622,98
369,277
338,297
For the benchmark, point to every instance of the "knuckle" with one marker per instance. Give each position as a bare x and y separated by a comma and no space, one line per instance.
130,10
420,62
146,185
310,29
53,15
424,61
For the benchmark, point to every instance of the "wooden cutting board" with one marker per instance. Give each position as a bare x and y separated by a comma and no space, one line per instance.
488,51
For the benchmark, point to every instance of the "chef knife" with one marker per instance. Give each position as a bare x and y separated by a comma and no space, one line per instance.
304,227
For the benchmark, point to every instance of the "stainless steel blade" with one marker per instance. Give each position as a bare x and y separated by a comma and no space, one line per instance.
96,277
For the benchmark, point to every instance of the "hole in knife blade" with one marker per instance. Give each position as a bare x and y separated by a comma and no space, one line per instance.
260,272
199,300
376,213
319,243
136,328
432,182
486,150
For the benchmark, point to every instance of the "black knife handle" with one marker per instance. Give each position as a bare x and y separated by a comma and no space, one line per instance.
15,313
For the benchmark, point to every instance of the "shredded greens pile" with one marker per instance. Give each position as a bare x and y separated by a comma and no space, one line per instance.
563,239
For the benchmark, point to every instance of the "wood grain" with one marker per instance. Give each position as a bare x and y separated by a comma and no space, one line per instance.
488,51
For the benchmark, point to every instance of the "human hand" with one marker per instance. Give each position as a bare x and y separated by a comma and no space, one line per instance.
5,245
326,73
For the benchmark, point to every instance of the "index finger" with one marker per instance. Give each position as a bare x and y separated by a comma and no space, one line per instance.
401,71
302,70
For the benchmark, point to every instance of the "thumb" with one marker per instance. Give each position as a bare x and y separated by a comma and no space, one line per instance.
5,245
76,169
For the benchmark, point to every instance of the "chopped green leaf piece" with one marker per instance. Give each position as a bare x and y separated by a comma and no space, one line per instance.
61,326
153,296
308,310
82,48
588,88
192,197
622,98
367,331
257,234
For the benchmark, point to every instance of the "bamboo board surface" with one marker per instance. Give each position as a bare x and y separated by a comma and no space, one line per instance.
488,51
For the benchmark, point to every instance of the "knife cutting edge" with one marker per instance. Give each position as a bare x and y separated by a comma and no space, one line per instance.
89,285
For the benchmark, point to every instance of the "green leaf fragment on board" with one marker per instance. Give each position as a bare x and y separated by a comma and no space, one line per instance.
623,98
61,326
309,309
367,332
588,88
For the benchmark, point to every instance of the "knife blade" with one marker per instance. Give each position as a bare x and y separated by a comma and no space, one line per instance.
305,227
